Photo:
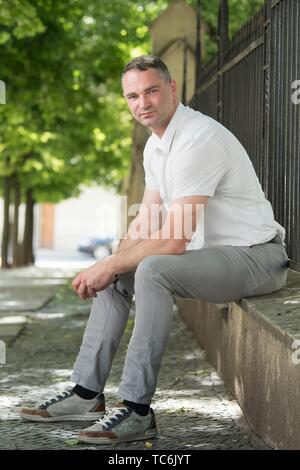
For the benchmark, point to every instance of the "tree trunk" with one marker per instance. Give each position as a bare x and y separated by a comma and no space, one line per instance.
6,226
133,187
27,246
15,230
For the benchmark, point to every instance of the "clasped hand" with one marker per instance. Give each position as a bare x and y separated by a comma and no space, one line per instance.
92,280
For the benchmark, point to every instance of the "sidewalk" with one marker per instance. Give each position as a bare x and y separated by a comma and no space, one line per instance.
193,409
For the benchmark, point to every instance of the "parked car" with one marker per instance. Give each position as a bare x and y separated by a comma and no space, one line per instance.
99,248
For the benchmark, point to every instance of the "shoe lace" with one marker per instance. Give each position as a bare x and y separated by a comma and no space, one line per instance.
67,393
112,416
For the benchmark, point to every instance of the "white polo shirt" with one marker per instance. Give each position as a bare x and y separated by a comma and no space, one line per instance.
197,156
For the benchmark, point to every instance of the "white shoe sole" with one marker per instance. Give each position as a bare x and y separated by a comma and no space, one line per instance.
86,417
106,441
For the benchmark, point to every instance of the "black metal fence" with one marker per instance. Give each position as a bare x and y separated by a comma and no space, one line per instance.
253,88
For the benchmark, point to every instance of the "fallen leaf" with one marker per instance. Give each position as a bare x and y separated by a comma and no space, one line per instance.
72,442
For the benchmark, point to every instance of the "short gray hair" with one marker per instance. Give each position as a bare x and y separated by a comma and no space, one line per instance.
146,62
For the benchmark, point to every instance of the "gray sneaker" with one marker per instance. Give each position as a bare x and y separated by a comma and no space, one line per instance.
67,407
121,424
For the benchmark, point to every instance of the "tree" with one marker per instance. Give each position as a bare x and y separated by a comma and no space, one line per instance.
64,123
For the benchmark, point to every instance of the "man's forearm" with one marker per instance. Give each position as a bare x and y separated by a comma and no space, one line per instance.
133,236
127,243
128,260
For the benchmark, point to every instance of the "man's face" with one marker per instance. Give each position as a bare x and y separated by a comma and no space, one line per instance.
151,99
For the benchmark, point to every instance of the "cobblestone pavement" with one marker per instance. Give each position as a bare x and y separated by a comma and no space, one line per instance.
193,409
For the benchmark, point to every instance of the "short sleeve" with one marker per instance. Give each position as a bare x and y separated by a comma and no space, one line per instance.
198,170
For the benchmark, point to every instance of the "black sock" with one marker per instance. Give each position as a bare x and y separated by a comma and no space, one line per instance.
84,392
139,408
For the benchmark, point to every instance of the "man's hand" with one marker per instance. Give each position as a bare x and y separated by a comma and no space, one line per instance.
92,280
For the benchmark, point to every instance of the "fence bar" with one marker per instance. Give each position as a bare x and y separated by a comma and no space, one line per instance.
248,87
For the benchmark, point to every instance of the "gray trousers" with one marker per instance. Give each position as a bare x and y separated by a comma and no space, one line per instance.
216,274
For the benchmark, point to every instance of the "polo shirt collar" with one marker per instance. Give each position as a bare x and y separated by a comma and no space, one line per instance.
163,144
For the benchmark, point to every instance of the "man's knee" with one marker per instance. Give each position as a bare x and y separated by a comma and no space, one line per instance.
149,268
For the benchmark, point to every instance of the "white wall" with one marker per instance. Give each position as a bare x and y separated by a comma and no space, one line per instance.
94,213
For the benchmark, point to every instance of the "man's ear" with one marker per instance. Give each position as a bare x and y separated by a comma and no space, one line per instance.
173,86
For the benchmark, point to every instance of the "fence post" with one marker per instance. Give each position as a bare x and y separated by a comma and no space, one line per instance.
266,117
223,42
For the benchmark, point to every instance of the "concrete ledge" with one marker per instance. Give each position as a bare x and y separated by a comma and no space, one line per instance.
255,346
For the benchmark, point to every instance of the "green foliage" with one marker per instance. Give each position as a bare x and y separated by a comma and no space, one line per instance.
239,12
18,19
65,122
